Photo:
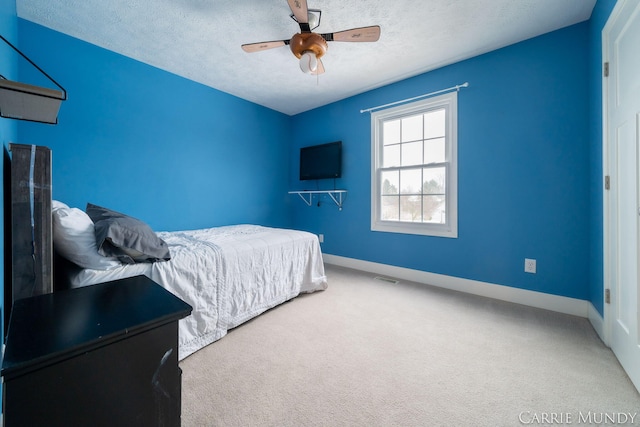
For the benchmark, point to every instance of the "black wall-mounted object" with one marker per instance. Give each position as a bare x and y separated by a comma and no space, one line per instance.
28,102
321,161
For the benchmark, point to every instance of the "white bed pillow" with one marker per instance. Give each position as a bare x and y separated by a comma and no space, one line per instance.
74,238
55,204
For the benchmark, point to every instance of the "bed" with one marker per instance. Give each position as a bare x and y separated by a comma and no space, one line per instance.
228,274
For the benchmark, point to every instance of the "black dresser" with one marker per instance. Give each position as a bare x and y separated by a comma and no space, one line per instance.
101,355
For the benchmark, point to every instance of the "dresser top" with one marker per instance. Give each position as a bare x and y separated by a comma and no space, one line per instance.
52,327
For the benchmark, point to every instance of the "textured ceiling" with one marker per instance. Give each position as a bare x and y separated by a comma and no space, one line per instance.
201,39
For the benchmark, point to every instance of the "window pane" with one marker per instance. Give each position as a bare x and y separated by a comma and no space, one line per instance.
434,181
412,128
390,182
391,132
410,208
411,181
390,208
434,209
434,124
391,156
412,153
434,151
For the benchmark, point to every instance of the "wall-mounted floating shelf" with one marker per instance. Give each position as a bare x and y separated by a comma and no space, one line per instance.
23,101
336,196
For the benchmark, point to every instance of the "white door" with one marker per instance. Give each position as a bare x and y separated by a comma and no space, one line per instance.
621,47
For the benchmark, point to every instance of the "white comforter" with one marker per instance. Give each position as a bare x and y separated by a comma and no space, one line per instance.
228,275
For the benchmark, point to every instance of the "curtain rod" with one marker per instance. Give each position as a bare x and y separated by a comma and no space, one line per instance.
449,89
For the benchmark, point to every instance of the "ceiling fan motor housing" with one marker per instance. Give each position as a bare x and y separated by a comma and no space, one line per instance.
303,42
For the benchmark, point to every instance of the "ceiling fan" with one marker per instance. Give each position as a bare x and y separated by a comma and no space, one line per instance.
308,46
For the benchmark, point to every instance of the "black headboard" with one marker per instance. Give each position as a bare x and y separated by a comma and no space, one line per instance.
28,226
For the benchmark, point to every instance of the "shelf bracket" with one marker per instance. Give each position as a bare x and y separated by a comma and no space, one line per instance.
336,196
302,196
338,203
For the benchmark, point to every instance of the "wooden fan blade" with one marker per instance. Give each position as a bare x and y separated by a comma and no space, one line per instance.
319,69
256,47
363,34
299,10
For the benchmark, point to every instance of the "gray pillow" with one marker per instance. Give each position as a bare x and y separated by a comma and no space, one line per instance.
127,238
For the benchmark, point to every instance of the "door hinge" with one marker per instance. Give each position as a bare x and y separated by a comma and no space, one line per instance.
607,182
607,296
606,69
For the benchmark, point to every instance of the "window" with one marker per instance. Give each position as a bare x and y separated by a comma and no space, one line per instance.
414,168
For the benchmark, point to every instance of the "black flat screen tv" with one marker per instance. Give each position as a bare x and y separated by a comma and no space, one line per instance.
321,161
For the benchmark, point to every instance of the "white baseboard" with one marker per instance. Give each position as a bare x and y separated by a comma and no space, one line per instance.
573,306
597,321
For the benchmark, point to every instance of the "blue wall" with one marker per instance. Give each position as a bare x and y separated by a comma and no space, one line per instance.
159,147
523,151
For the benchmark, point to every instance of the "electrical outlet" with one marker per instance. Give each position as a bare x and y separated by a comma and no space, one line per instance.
530,265
321,238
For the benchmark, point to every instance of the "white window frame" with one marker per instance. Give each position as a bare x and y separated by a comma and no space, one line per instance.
449,102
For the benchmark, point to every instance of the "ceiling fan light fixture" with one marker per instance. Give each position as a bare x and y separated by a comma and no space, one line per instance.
308,46
308,62
313,18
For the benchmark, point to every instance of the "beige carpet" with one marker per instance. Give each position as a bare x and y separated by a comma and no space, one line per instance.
370,353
